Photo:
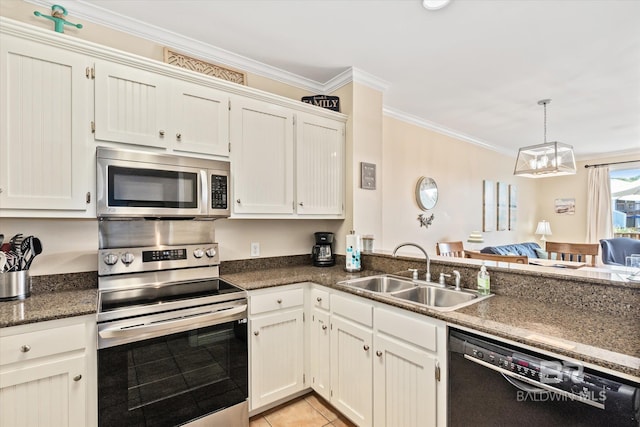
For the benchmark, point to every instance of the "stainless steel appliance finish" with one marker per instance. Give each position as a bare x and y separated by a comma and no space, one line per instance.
492,383
133,184
172,336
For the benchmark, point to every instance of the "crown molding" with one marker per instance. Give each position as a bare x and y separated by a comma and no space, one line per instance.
188,46
417,121
97,15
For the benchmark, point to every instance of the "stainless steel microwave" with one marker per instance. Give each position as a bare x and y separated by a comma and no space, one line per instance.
135,184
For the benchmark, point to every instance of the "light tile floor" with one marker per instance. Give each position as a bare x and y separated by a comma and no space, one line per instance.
306,411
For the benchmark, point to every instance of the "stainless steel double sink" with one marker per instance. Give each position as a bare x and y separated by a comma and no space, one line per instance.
417,292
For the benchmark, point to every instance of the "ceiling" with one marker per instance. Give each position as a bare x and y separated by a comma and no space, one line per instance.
474,69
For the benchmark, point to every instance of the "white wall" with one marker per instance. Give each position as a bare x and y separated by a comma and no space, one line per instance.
459,169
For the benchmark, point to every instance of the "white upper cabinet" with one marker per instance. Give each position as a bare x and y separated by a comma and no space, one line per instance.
319,165
261,157
130,105
201,116
139,107
44,126
265,171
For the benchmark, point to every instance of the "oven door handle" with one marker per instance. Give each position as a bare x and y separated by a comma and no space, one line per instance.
540,386
177,324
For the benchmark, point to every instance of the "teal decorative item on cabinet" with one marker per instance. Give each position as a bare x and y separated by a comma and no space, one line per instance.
57,16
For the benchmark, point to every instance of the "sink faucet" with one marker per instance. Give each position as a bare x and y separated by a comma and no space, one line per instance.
456,273
427,276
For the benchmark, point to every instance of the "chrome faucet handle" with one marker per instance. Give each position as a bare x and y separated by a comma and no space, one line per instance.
456,274
414,272
427,276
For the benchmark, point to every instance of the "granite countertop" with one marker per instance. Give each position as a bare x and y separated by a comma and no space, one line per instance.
603,340
53,297
40,307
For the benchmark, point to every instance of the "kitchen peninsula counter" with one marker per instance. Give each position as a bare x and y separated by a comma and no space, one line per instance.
605,340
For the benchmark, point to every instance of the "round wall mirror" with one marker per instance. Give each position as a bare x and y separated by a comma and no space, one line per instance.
426,193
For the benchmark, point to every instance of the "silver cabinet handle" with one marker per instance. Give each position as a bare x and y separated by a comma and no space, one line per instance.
301,204
25,348
379,353
279,300
366,347
319,299
256,333
178,136
324,327
238,201
77,378
161,132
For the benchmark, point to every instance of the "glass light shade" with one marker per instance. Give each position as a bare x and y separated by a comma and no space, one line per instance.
544,228
544,160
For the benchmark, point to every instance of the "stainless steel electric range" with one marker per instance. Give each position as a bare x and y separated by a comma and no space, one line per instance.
172,336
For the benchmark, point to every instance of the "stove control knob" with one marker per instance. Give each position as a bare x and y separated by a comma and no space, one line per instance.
110,259
211,252
198,253
127,258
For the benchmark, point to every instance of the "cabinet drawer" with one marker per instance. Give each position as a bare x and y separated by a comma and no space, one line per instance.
419,332
352,309
320,299
31,345
275,301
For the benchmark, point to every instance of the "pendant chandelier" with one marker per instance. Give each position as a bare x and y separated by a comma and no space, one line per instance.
545,160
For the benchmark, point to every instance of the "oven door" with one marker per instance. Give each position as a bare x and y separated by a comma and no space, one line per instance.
173,379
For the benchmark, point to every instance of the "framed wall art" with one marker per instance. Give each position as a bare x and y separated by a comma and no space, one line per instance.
503,206
565,206
513,207
488,205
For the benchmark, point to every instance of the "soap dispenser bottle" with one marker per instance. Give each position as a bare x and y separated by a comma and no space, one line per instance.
484,286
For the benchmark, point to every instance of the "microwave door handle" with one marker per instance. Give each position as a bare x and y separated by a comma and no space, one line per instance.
205,191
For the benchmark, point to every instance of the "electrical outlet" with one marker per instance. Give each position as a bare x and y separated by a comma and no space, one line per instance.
255,249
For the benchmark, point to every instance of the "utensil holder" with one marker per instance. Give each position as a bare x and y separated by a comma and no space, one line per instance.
15,285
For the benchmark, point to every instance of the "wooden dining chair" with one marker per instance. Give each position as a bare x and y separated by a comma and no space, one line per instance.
453,249
519,259
577,252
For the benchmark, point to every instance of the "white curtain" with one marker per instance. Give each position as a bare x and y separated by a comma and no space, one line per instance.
599,216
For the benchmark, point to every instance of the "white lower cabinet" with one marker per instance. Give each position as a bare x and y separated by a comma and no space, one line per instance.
351,373
48,374
406,370
276,341
320,343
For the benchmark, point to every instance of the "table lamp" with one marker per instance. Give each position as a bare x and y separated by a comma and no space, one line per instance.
475,238
544,228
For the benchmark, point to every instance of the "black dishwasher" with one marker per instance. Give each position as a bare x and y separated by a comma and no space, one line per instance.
496,384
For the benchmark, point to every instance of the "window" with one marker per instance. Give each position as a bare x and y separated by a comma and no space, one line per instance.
625,195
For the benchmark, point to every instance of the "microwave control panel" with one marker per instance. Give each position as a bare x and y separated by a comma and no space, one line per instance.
219,191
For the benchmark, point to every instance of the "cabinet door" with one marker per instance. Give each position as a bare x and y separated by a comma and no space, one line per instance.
262,157
47,394
351,370
404,384
320,356
319,165
200,119
276,356
44,125
130,105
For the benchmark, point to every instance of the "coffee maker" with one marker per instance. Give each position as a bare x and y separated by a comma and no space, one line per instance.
322,251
